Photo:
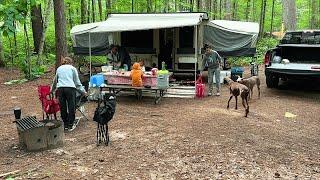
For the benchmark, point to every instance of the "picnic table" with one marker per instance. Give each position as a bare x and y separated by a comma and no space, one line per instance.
158,92
123,78
121,81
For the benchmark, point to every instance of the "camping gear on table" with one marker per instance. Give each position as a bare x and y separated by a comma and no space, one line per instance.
235,72
200,87
154,71
102,115
106,68
50,105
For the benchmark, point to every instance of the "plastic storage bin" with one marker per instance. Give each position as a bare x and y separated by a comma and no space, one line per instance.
235,72
163,79
223,74
96,80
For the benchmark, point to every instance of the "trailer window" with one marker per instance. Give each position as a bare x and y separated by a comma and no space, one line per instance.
137,39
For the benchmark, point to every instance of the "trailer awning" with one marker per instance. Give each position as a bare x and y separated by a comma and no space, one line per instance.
134,22
232,38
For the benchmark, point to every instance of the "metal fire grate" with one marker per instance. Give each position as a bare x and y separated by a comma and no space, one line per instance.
28,123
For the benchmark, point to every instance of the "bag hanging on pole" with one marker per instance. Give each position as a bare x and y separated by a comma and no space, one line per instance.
200,87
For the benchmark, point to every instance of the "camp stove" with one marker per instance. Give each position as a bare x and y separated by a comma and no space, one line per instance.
37,135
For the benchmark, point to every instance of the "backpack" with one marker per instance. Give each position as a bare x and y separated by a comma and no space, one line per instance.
105,110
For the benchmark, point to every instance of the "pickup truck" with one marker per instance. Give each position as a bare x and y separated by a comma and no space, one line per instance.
297,56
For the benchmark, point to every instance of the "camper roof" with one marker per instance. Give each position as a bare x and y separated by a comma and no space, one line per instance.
133,22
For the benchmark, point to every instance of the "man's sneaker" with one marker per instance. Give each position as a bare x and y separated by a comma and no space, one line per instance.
209,94
74,125
218,94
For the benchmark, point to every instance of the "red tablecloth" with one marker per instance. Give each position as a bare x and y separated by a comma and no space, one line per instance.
124,79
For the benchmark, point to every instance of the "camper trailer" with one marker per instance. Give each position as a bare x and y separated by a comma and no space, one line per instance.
174,38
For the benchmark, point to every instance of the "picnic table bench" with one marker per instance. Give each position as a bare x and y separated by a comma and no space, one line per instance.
158,92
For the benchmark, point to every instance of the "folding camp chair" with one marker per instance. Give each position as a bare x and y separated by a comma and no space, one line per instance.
50,105
80,102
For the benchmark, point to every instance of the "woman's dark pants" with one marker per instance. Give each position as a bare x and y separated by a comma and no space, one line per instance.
67,99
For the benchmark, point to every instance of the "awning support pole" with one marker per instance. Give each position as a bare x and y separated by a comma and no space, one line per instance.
90,53
195,56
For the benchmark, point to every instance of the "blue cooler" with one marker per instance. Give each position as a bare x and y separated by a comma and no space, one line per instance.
163,79
96,80
235,72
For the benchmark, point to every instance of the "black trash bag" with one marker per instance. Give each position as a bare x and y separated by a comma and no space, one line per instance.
105,110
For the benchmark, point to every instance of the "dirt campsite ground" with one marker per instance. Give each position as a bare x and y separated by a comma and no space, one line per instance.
177,139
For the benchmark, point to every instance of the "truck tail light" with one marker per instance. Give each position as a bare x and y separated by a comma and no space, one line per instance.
267,59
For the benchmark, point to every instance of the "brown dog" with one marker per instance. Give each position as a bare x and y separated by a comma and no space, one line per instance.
237,89
250,83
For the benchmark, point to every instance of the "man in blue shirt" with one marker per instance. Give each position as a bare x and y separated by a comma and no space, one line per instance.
213,61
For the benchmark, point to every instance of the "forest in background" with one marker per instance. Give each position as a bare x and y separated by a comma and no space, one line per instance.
35,33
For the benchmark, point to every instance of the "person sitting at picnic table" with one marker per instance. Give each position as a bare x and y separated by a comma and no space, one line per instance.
113,57
118,57
136,75
143,68
67,83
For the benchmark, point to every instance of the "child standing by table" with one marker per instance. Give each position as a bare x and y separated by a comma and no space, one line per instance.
136,75
141,62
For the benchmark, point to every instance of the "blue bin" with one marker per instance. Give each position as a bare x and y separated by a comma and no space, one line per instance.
235,72
96,80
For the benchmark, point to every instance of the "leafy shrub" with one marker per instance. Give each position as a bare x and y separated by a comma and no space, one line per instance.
263,45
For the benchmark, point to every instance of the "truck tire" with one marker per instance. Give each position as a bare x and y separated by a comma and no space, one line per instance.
272,81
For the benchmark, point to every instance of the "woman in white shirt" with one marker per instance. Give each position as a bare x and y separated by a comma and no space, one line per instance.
67,81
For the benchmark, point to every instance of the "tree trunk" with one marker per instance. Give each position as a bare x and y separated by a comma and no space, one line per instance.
149,4
262,16
70,15
27,49
220,9
15,38
209,7
247,10
314,14
199,7
37,26
108,7
60,30
83,11
272,18
215,8
100,9
289,14
191,5
228,10
45,26
253,17
166,4
234,10
2,64
93,10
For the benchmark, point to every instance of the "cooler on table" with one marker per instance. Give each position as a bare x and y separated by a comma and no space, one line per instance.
163,79
235,72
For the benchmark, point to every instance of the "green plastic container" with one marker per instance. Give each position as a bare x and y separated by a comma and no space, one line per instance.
163,79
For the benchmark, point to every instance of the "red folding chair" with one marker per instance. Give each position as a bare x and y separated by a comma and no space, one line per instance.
50,105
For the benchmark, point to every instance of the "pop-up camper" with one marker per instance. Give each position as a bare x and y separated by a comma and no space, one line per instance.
175,38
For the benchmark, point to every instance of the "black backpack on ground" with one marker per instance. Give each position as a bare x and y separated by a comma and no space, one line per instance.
105,110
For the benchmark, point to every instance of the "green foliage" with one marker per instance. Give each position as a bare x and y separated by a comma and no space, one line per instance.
263,45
